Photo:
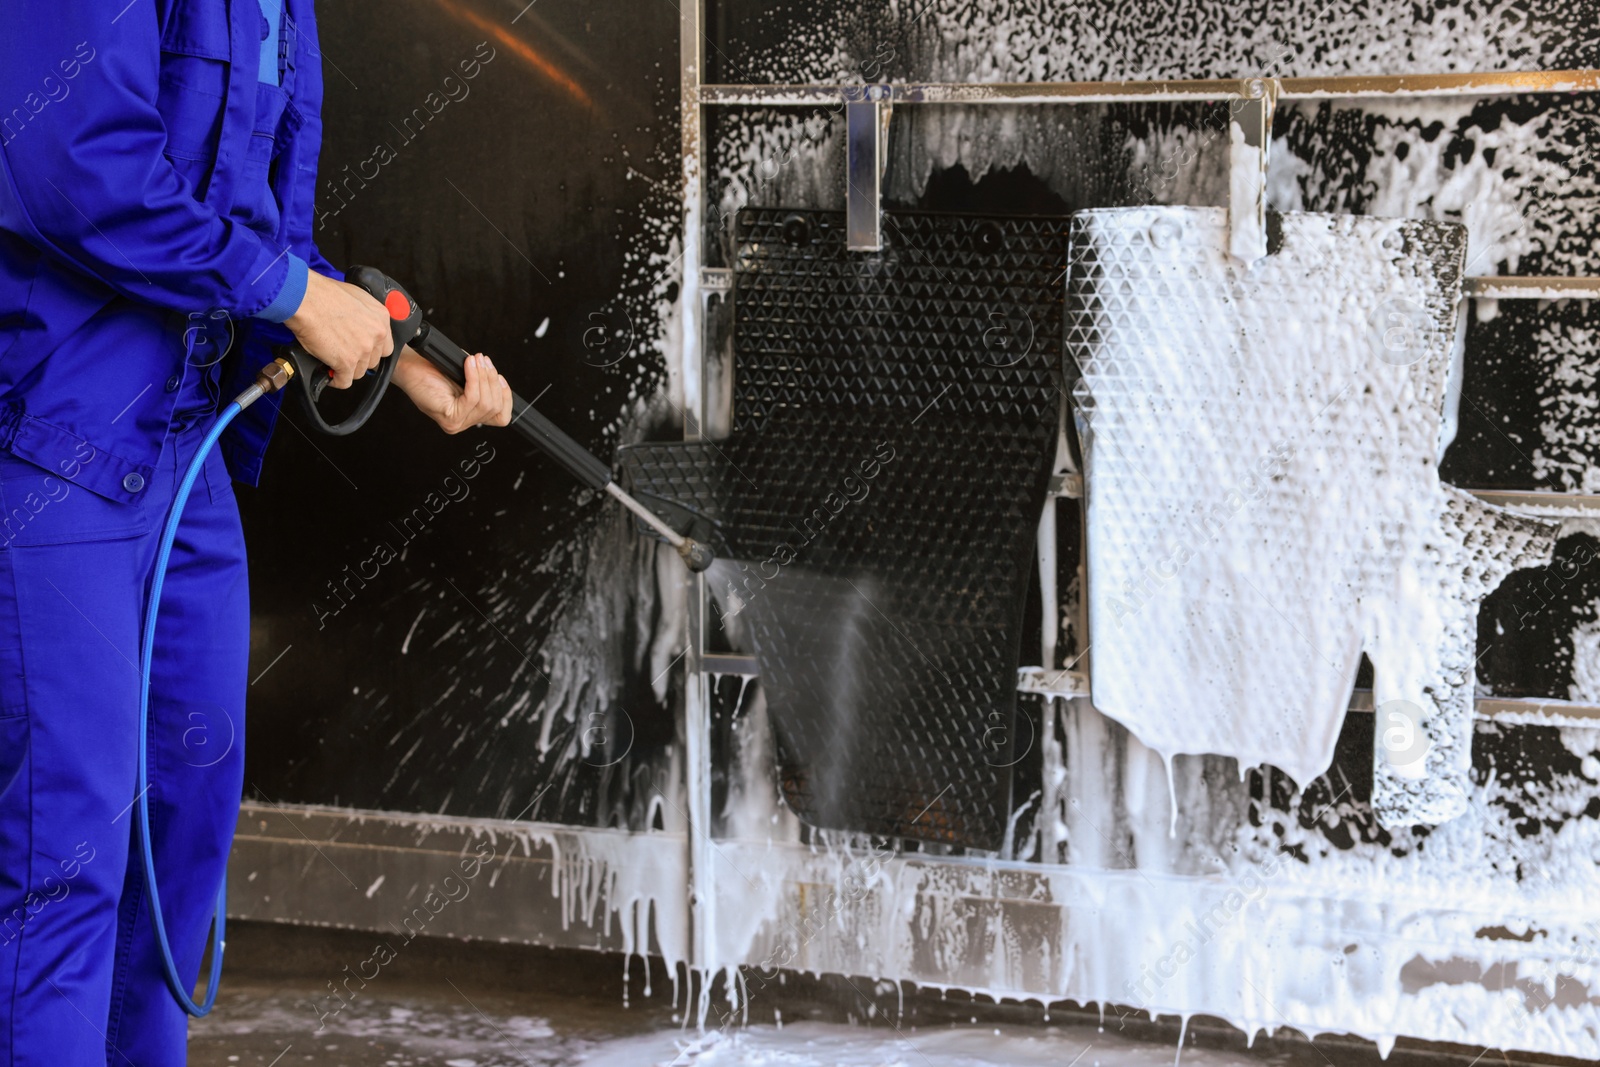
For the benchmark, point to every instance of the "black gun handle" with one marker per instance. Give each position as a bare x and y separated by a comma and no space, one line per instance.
404,318
546,435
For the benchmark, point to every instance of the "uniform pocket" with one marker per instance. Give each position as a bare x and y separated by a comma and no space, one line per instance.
40,508
199,28
195,53
191,97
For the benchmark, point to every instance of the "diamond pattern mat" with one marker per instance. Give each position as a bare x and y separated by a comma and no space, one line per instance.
1261,454
875,506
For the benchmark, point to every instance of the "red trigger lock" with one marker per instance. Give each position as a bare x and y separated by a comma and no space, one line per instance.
397,304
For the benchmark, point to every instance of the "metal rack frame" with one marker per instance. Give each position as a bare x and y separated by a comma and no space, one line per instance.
321,866
867,110
1196,89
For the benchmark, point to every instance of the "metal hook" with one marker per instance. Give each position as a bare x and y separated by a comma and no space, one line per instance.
1249,142
867,156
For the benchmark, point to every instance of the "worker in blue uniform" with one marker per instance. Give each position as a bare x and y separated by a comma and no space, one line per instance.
157,174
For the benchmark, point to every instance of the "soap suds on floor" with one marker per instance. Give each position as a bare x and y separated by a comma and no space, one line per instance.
409,1024
882,1044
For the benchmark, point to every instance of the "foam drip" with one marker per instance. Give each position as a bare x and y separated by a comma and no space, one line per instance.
1263,504
1352,883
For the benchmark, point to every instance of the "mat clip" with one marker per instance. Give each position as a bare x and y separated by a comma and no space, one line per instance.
1249,142
867,112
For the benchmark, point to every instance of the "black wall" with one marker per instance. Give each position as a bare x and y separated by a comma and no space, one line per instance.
511,197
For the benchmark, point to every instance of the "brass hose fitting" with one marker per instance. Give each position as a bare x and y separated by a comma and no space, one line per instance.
275,375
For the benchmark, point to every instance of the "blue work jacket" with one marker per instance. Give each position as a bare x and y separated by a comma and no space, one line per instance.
123,133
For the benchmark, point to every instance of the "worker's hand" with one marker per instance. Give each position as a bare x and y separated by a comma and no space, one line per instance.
485,400
342,326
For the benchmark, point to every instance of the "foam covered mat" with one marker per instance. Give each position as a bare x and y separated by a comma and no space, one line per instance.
876,504
1264,503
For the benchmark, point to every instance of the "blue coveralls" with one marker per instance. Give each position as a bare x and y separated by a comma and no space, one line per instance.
155,218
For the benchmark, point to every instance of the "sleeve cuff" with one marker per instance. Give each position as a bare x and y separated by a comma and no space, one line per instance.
287,302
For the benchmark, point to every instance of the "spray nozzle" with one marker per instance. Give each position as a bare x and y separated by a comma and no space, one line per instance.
696,557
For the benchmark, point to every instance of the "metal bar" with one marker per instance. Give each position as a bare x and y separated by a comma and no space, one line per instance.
867,126
1068,486
730,663
1523,707
693,218
1490,708
716,279
1488,83
1052,682
1249,142
368,870
1532,287
1049,595
1485,83
1543,504
695,727
1537,501
1049,824
1071,683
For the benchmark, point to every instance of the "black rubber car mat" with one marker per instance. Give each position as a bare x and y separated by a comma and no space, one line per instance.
876,504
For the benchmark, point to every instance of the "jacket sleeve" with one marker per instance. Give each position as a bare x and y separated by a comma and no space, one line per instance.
83,175
302,220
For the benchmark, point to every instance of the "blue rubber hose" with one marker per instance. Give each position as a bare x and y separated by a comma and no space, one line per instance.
168,534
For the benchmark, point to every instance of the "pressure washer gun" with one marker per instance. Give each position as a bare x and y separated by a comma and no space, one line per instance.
405,320
407,327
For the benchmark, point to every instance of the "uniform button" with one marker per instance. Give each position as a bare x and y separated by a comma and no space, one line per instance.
133,482
172,384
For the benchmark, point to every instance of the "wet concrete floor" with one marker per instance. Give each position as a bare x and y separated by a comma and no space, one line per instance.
456,1004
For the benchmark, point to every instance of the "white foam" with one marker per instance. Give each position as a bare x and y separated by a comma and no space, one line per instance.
882,1043
1107,792
1264,503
